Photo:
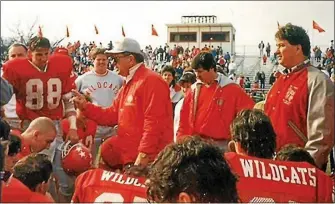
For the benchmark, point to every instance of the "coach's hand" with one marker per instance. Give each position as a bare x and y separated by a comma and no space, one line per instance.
79,100
142,159
72,135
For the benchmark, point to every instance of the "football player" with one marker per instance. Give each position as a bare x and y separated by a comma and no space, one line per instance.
101,185
42,85
191,170
30,180
16,50
261,179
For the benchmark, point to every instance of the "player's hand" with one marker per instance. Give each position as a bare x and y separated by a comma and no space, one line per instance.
142,159
79,100
72,135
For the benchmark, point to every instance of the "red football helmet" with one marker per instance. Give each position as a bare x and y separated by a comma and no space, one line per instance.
62,51
76,158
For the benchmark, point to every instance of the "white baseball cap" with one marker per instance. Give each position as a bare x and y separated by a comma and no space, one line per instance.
125,45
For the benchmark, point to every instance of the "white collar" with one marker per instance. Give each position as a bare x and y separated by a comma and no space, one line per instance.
132,71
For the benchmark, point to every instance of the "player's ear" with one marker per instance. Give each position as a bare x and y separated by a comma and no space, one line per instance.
231,146
184,198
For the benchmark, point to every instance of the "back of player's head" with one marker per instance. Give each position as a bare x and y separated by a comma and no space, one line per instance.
4,130
195,167
32,170
292,152
254,131
14,146
43,124
38,42
204,60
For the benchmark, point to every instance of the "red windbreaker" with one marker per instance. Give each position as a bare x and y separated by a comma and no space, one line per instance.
143,112
227,101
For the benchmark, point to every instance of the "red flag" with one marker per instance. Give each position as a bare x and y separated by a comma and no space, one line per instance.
96,30
317,27
123,33
67,32
40,34
153,30
278,25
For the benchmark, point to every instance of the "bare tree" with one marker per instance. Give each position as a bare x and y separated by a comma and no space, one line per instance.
23,35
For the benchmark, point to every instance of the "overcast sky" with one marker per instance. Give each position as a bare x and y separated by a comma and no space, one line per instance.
254,21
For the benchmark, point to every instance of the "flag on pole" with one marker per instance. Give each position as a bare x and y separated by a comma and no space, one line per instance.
278,25
123,33
40,34
153,30
67,32
317,27
96,30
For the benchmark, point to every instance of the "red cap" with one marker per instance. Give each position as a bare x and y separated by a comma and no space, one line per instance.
111,154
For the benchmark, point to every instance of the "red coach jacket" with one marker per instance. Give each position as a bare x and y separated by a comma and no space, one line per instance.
300,105
143,112
229,99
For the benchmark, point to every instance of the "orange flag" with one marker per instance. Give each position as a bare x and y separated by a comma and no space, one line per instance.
153,30
67,32
317,27
40,34
278,25
96,30
123,33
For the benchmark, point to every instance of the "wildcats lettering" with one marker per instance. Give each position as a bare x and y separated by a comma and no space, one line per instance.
280,173
101,85
119,178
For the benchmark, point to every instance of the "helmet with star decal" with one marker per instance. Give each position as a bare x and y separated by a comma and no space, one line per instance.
76,158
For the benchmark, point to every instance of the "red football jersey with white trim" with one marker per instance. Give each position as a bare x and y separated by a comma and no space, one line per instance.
101,186
86,136
264,180
39,93
14,191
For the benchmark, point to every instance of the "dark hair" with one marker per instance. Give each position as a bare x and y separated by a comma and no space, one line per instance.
169,68
4,129
97,51
295,35
17,44
37,42
291,152
204,60
32,170
253,129
193,166
14,146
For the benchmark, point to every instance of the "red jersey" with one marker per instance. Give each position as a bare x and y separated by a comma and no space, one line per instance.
39,93
101,186
264,180
14,191
86,135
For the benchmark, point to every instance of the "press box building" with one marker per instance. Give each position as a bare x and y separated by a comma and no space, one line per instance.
199,31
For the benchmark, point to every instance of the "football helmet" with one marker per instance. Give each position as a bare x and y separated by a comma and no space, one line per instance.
62,51
76,158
